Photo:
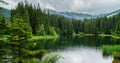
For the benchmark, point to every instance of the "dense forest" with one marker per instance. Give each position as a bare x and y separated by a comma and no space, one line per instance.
28,20
34,21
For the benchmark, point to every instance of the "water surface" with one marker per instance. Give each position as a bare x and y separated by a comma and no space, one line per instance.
85,50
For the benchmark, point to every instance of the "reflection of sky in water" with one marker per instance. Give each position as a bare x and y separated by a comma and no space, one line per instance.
83,55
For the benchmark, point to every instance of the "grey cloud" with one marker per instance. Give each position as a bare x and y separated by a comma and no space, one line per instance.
79,6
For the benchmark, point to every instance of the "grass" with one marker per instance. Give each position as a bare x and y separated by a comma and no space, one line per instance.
5,37
44,37
89,34
101,35
81,34
112,49
116,37
105,35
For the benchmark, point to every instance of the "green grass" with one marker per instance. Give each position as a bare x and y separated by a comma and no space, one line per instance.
81,34
44,37
112,49
116,37
89,34
105,35
5,37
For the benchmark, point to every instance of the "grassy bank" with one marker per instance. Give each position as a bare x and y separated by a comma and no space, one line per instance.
5,37
116,37
105,35
44,37
83,34
101,35
112,49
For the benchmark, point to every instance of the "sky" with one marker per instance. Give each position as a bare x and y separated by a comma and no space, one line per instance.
94,7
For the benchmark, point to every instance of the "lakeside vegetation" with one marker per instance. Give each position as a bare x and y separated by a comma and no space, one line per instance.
112,50
44,37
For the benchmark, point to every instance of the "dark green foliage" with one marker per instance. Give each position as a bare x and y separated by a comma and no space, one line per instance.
52,31
45,24
42,23
111,50
41,30
102,25
3,25
19,29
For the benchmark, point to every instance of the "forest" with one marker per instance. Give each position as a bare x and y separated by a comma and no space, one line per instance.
27,21
33,21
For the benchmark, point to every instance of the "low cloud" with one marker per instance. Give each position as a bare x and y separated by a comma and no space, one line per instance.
79,6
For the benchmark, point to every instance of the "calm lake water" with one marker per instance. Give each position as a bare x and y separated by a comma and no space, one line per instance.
81,49
72,49
85,50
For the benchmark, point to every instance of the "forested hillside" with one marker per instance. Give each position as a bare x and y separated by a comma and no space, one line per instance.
33,20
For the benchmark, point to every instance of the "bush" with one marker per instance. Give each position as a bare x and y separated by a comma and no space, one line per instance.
52,31
51,58
113,49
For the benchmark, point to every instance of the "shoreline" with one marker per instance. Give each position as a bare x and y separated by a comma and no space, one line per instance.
44,37
4,38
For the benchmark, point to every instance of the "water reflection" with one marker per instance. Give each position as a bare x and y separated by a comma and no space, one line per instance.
81,49
83,55
64,42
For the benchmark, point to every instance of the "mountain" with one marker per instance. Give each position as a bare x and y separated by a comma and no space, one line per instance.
71,14
65,14
113,13
4,11
81,15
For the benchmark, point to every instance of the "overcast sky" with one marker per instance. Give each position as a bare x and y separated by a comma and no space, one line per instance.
79,6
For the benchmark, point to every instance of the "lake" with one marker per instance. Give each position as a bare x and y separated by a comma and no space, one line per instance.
72,49
81,49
